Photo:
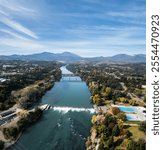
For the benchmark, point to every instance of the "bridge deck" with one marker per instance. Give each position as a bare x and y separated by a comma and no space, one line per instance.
68,75
70,78
71,81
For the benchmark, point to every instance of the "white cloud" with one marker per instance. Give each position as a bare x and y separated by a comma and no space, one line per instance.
3,12
79,31
15,6
14,43
104,30
18,27
130,14
96,47
13,34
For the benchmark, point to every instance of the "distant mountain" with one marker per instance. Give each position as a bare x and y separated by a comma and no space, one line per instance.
121,58
45,56
67,56
128,58
71,57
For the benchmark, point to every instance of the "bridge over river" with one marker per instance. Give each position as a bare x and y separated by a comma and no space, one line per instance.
68,75
70,78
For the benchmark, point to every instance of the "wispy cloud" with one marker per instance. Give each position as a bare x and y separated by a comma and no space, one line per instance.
127,14
105,30
96,28
18,27
3,13
16,36
20,44
10,33
15,6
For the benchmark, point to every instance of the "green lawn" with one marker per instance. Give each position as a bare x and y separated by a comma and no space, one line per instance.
136,133
133,122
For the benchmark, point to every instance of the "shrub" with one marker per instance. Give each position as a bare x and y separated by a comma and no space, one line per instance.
30,119
10,133
129,144
141,144
142,126
116,130
93,120
126,133
122,116
109,143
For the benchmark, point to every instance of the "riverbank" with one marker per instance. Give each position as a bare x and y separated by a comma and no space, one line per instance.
31,94
21,116
25,119
66,124
112,129
109,87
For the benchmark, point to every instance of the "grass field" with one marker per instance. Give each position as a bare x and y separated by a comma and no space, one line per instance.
136,133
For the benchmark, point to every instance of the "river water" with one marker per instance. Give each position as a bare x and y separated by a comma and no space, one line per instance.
67,124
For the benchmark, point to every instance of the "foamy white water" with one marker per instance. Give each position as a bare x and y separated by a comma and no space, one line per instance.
73,109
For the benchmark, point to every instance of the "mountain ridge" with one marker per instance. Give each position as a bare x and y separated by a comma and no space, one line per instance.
71,57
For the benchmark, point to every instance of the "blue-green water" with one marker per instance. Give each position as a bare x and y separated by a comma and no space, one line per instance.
66,125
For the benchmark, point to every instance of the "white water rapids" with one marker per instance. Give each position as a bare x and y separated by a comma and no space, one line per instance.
72,109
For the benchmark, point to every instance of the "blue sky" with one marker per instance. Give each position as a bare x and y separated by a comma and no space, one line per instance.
85,27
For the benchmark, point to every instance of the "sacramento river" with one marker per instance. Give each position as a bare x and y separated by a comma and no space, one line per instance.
66,125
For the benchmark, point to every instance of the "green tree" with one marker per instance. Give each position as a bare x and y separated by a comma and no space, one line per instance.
142,126
10,133
96,98
109,143
101,129
93,120
129,144
141,144
101,146
116,130
120,124
122,116
107,90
